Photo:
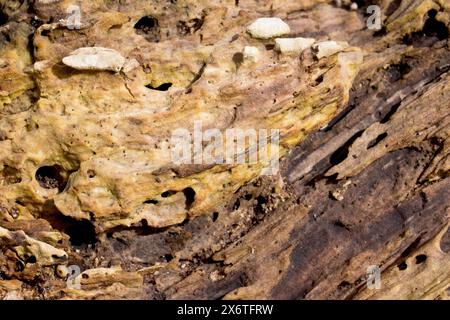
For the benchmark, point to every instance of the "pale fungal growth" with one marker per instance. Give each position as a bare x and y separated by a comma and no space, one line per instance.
251,53
293,45
62,271
354,6
95,58
266,28
328,48
40,66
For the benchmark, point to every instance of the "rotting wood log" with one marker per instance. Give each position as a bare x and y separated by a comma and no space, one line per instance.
93,205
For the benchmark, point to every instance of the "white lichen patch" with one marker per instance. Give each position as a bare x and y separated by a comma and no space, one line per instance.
266,28
293,45
328,48
251,53
95,58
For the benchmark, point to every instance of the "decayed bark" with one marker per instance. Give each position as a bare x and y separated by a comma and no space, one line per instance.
365,148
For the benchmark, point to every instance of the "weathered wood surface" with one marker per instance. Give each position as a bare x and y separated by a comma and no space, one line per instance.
372,188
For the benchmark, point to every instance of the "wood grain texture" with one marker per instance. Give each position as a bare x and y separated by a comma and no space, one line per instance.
364,176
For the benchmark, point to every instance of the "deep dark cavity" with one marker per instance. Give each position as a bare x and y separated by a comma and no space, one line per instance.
30,260
340,224
380,33
377,140
234,38
20,266
362,3
329,180
342,152
81,232
189,193
45,33
149,27
343,285
435,28
421,258
51,177
397,71
168,257
36,22
91,174
3,18
402,266
237,204
391,112
433,31
10,175
260,203
412,247
162,87
341,115
5,37
168,193
238,58
318,80
189,27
